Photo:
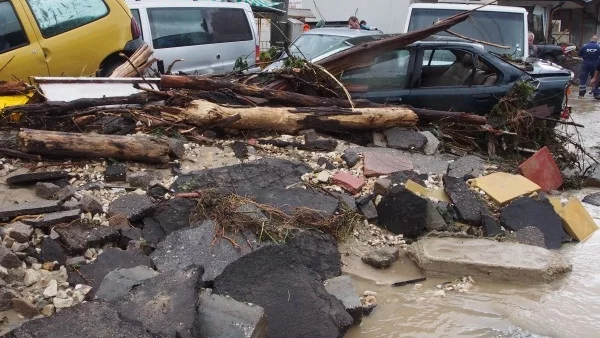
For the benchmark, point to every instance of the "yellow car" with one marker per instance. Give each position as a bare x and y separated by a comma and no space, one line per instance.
64,37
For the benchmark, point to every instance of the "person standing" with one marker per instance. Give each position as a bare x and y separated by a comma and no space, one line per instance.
590,53
353,23
533,50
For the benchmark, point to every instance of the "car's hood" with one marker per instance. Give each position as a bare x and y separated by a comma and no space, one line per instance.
280,63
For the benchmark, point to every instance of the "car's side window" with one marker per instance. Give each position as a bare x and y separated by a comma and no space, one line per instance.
191,28
58,16
228,25
12,34
446,68
485,74
388,71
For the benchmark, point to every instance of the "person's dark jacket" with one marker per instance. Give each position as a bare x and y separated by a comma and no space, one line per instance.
590,52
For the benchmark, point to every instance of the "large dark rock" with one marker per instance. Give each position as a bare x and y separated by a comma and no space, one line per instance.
292,295
403,213
33,178
200,245
491,227
46,190
166,304
111,259
152,233
169,216
468,204
240,149
92,319
351,157
381,258
526,211
400,177
51,250
9,211
133,206
79,235
468,165
263,173
220,316
398,138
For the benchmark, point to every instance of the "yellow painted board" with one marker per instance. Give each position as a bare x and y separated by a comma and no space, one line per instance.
557,204
504,187
578,222
432,194
13,100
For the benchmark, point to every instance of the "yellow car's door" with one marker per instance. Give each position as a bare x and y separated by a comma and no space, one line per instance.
21,55
76,35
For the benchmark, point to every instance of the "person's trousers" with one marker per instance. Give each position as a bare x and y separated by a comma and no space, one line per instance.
587,69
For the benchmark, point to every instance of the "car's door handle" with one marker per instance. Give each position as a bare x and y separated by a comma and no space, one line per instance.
218,56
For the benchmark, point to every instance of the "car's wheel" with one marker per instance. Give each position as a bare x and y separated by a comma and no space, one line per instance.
109,68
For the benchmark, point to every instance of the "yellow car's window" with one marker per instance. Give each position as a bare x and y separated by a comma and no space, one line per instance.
58,16
11,31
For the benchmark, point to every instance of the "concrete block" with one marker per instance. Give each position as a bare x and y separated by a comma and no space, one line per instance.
221,316
348,182
503,187
578,222
542,170
341,287
487,259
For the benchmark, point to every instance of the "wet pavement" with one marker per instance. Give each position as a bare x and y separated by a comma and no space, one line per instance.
569,307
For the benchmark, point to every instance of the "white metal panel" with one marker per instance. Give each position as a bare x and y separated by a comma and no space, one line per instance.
73,88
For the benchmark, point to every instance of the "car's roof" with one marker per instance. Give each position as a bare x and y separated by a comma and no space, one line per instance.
469,7
185,3
341,31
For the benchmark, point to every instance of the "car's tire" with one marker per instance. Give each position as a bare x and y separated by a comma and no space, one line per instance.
108,69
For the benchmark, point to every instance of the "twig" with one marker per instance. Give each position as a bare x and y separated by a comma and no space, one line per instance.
477,41
136,69
559,121
321,68
6,64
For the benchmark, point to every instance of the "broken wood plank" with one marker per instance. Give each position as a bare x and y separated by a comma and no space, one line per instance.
13,88
202,113
73,145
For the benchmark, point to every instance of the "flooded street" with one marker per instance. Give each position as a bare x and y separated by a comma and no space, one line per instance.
569,307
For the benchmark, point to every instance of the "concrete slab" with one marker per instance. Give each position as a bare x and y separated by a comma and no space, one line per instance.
436,195
487,259
403,269
221,316
466,165
578,222
503,187
542,170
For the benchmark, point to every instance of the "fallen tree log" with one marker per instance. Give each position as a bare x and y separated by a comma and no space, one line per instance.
449,116
13,88
277,96
73,145
285,120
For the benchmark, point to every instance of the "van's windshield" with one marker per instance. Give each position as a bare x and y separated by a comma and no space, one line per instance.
501,28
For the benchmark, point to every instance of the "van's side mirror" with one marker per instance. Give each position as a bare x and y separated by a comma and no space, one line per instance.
320,24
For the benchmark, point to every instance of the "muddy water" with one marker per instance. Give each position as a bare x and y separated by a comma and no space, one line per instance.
569,307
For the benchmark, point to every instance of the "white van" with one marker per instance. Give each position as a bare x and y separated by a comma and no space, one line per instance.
209,36
501,25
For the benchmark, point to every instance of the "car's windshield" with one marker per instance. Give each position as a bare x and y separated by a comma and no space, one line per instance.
506,29
310,46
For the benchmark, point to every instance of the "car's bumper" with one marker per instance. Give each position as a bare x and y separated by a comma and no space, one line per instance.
132,45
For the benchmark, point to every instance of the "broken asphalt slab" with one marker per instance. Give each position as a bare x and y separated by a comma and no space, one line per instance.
166,304
119,282
92,319
111,259
437,164
9,211
398,138
342,288
526,211
273,274
220,316
487,259
469,206
79,235
263,173
33,178
53,218
593,199
200,245
133,206
168,216
469,165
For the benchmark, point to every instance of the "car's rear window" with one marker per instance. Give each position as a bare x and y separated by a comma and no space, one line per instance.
58,16
309,46
197,26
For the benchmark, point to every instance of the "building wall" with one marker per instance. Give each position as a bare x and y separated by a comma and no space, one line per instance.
388,16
